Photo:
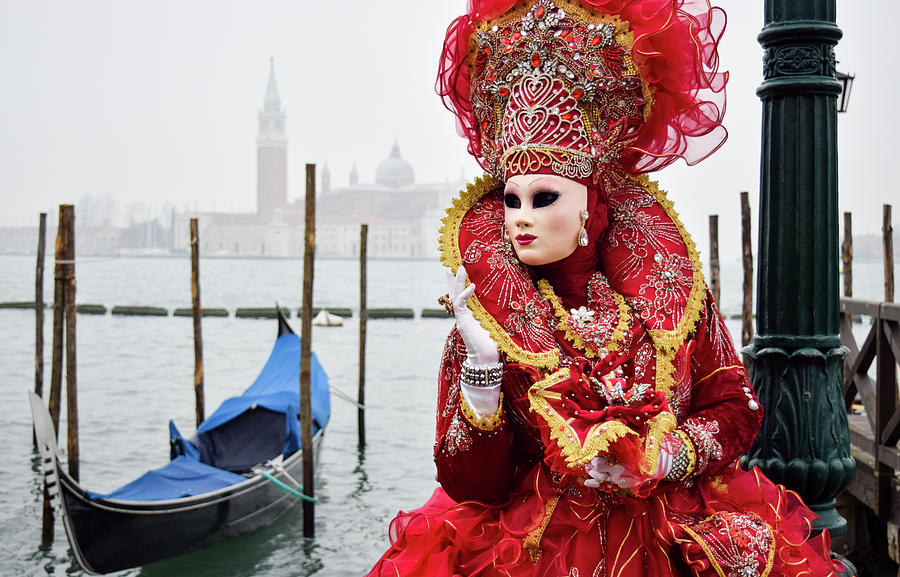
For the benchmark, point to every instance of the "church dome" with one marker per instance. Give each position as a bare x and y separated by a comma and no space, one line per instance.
393,171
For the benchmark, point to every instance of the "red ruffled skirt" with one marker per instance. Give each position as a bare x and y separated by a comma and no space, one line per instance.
738,523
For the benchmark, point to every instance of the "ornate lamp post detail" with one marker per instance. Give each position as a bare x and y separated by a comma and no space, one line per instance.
796,357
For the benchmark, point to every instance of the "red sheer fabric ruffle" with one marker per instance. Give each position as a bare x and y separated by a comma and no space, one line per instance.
545,530
676,50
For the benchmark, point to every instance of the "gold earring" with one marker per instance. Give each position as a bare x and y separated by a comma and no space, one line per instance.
582,234
506,236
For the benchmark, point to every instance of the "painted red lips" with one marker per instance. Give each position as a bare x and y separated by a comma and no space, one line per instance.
524,239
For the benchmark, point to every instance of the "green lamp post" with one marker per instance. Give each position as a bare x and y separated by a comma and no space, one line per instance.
796,358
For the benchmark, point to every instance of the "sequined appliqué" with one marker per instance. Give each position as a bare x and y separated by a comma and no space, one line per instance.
457,439
703,433
737,544
530,321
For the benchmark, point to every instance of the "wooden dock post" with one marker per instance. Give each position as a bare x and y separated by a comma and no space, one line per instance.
71,380
363,319
197,313
847,255
888,240
747,308
715,282
39,311
886,379
309,253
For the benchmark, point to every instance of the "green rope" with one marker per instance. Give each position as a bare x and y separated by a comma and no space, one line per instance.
288,489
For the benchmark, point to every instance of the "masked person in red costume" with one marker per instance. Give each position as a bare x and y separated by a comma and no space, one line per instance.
591,404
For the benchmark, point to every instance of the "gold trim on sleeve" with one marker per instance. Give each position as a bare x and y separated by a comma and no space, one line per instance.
486,423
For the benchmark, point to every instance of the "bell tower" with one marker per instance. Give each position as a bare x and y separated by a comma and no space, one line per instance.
271,152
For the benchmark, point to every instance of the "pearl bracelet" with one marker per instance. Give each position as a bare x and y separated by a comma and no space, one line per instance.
482,377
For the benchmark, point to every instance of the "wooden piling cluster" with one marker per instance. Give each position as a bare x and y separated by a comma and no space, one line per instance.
64,347
846,260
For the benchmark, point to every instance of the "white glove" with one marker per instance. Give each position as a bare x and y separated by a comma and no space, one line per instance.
481,348
666,461
600,471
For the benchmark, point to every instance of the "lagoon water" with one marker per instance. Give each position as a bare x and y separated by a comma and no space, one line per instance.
135,373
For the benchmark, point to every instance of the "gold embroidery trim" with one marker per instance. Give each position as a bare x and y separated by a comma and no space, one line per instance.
532,541
712,559
486,423
600,435
547,292
452,258
659,426
667,342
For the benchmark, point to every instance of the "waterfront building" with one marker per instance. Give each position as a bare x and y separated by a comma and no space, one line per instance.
403,215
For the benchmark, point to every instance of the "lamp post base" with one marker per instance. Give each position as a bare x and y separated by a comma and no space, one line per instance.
804,442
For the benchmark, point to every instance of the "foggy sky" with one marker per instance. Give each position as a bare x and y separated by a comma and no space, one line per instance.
156,103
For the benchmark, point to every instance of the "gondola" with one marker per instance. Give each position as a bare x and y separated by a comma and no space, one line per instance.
236,474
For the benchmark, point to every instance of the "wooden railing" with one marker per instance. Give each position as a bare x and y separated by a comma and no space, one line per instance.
878,440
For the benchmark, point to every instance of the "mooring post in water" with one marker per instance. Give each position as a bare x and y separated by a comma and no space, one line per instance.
714,278
747,308
363,318
197,313
309,255
39,311
888,234
847,255
71,381
47,522
59,309
847,259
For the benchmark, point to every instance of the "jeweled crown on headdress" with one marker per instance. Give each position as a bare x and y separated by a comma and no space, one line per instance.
555,89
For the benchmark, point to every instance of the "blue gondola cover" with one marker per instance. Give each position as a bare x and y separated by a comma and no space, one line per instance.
183,477
244,431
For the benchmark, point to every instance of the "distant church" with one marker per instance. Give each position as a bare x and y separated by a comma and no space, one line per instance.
403,216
